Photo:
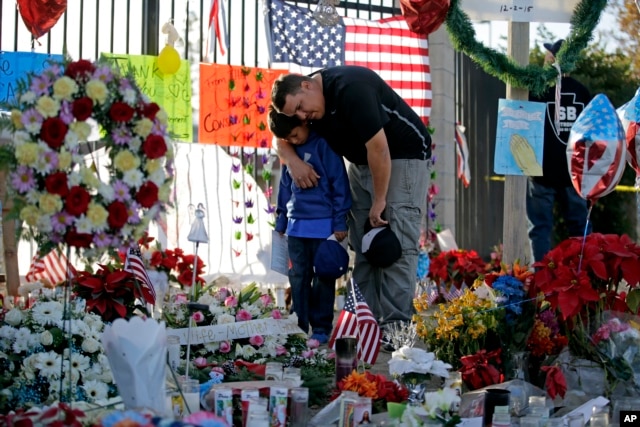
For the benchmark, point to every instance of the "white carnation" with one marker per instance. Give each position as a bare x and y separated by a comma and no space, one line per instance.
226,318
13,317
90,345
46,338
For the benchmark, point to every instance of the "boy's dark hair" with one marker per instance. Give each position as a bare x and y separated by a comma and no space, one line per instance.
281,125
286,84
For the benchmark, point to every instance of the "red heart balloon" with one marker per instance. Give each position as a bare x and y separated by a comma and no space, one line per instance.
40,15
424,16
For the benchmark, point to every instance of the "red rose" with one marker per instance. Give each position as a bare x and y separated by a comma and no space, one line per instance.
121,112
147,195
77,201
79,240
150,110
154,146
53,132
82,108
56,183
186,278
118,214
80,70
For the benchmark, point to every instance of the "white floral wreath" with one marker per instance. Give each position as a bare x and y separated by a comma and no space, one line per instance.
62,199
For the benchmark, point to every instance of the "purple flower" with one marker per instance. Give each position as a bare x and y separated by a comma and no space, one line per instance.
236,167
31,117
261,109
233,119
104,74
264,159
121,135
248,203
271,209
237,219
60,221
125,84
22,179
134,213
121,191
50,160
102,240
261,94
66,115
40,84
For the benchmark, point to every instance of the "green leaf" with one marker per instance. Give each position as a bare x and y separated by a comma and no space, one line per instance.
633,300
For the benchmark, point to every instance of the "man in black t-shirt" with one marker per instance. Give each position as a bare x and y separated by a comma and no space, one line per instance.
555,183
366,121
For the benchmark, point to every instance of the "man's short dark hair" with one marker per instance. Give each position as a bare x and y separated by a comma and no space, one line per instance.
281,125
285,85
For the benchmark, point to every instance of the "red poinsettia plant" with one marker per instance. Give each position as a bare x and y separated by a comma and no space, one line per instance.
112,292
456,267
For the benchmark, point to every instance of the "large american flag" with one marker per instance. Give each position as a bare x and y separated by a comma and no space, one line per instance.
302,45
52,268
134,264
356,319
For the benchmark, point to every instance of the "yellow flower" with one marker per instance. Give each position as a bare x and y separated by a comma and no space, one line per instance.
162,116
143,127
47,106
30,215
64,88
97,91
64,160
125,161
27,154
164,192
82,129
97,214
152,165
50,203
89,177
16,119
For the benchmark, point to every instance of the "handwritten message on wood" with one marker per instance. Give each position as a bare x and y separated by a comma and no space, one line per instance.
171,92
234,103
237,330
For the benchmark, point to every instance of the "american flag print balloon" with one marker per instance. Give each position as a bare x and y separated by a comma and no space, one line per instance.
629,115
596,150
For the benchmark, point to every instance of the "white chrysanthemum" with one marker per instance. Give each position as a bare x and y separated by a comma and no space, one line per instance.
47,313
129,96
46,338
212,347
158,177
253,309
206,299
225,318
13,317
21,137
84,225
107,192
249,352
28,370
49,364
90,345
135,143
133,178
44,224
78,327
28,97
71,140
74,178
95,390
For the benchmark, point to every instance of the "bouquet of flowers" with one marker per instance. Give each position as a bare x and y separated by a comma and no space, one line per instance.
175,264
456,267
413,367
35,365
436,407
463,326
61,197
376,386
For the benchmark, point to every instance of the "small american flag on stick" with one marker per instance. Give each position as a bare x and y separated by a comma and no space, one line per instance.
356,319
50,268
134,265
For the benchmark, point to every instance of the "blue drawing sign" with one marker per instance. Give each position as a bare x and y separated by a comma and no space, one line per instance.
519,138
14,66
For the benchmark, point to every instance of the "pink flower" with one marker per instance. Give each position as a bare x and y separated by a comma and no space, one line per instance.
218,370
330,356
181,299
281,350
225,347
313,343
276,314
256,340
266,299
242,315
222,294
308,354
200,362
231,301
198,316
201,417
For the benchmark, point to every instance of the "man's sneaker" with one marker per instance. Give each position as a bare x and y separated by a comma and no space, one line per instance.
386,345
321,337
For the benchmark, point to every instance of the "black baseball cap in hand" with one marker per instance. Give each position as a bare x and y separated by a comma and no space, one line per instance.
380,246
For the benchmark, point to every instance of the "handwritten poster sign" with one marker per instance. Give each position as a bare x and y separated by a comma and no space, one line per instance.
236,330
519,138
171,92
14,66
520,10
233,105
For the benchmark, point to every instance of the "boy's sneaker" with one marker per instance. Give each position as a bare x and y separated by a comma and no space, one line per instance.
321,337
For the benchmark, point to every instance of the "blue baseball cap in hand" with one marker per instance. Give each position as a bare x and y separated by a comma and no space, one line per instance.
380,246
331,260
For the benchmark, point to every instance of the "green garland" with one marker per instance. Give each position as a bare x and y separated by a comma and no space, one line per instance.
532,77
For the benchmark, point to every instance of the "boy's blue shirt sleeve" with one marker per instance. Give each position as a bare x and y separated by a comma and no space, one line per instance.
284,194
336,173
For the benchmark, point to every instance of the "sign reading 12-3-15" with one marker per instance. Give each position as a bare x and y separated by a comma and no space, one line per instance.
520,10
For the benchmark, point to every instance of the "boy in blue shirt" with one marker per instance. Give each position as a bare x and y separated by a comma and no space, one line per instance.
308,217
